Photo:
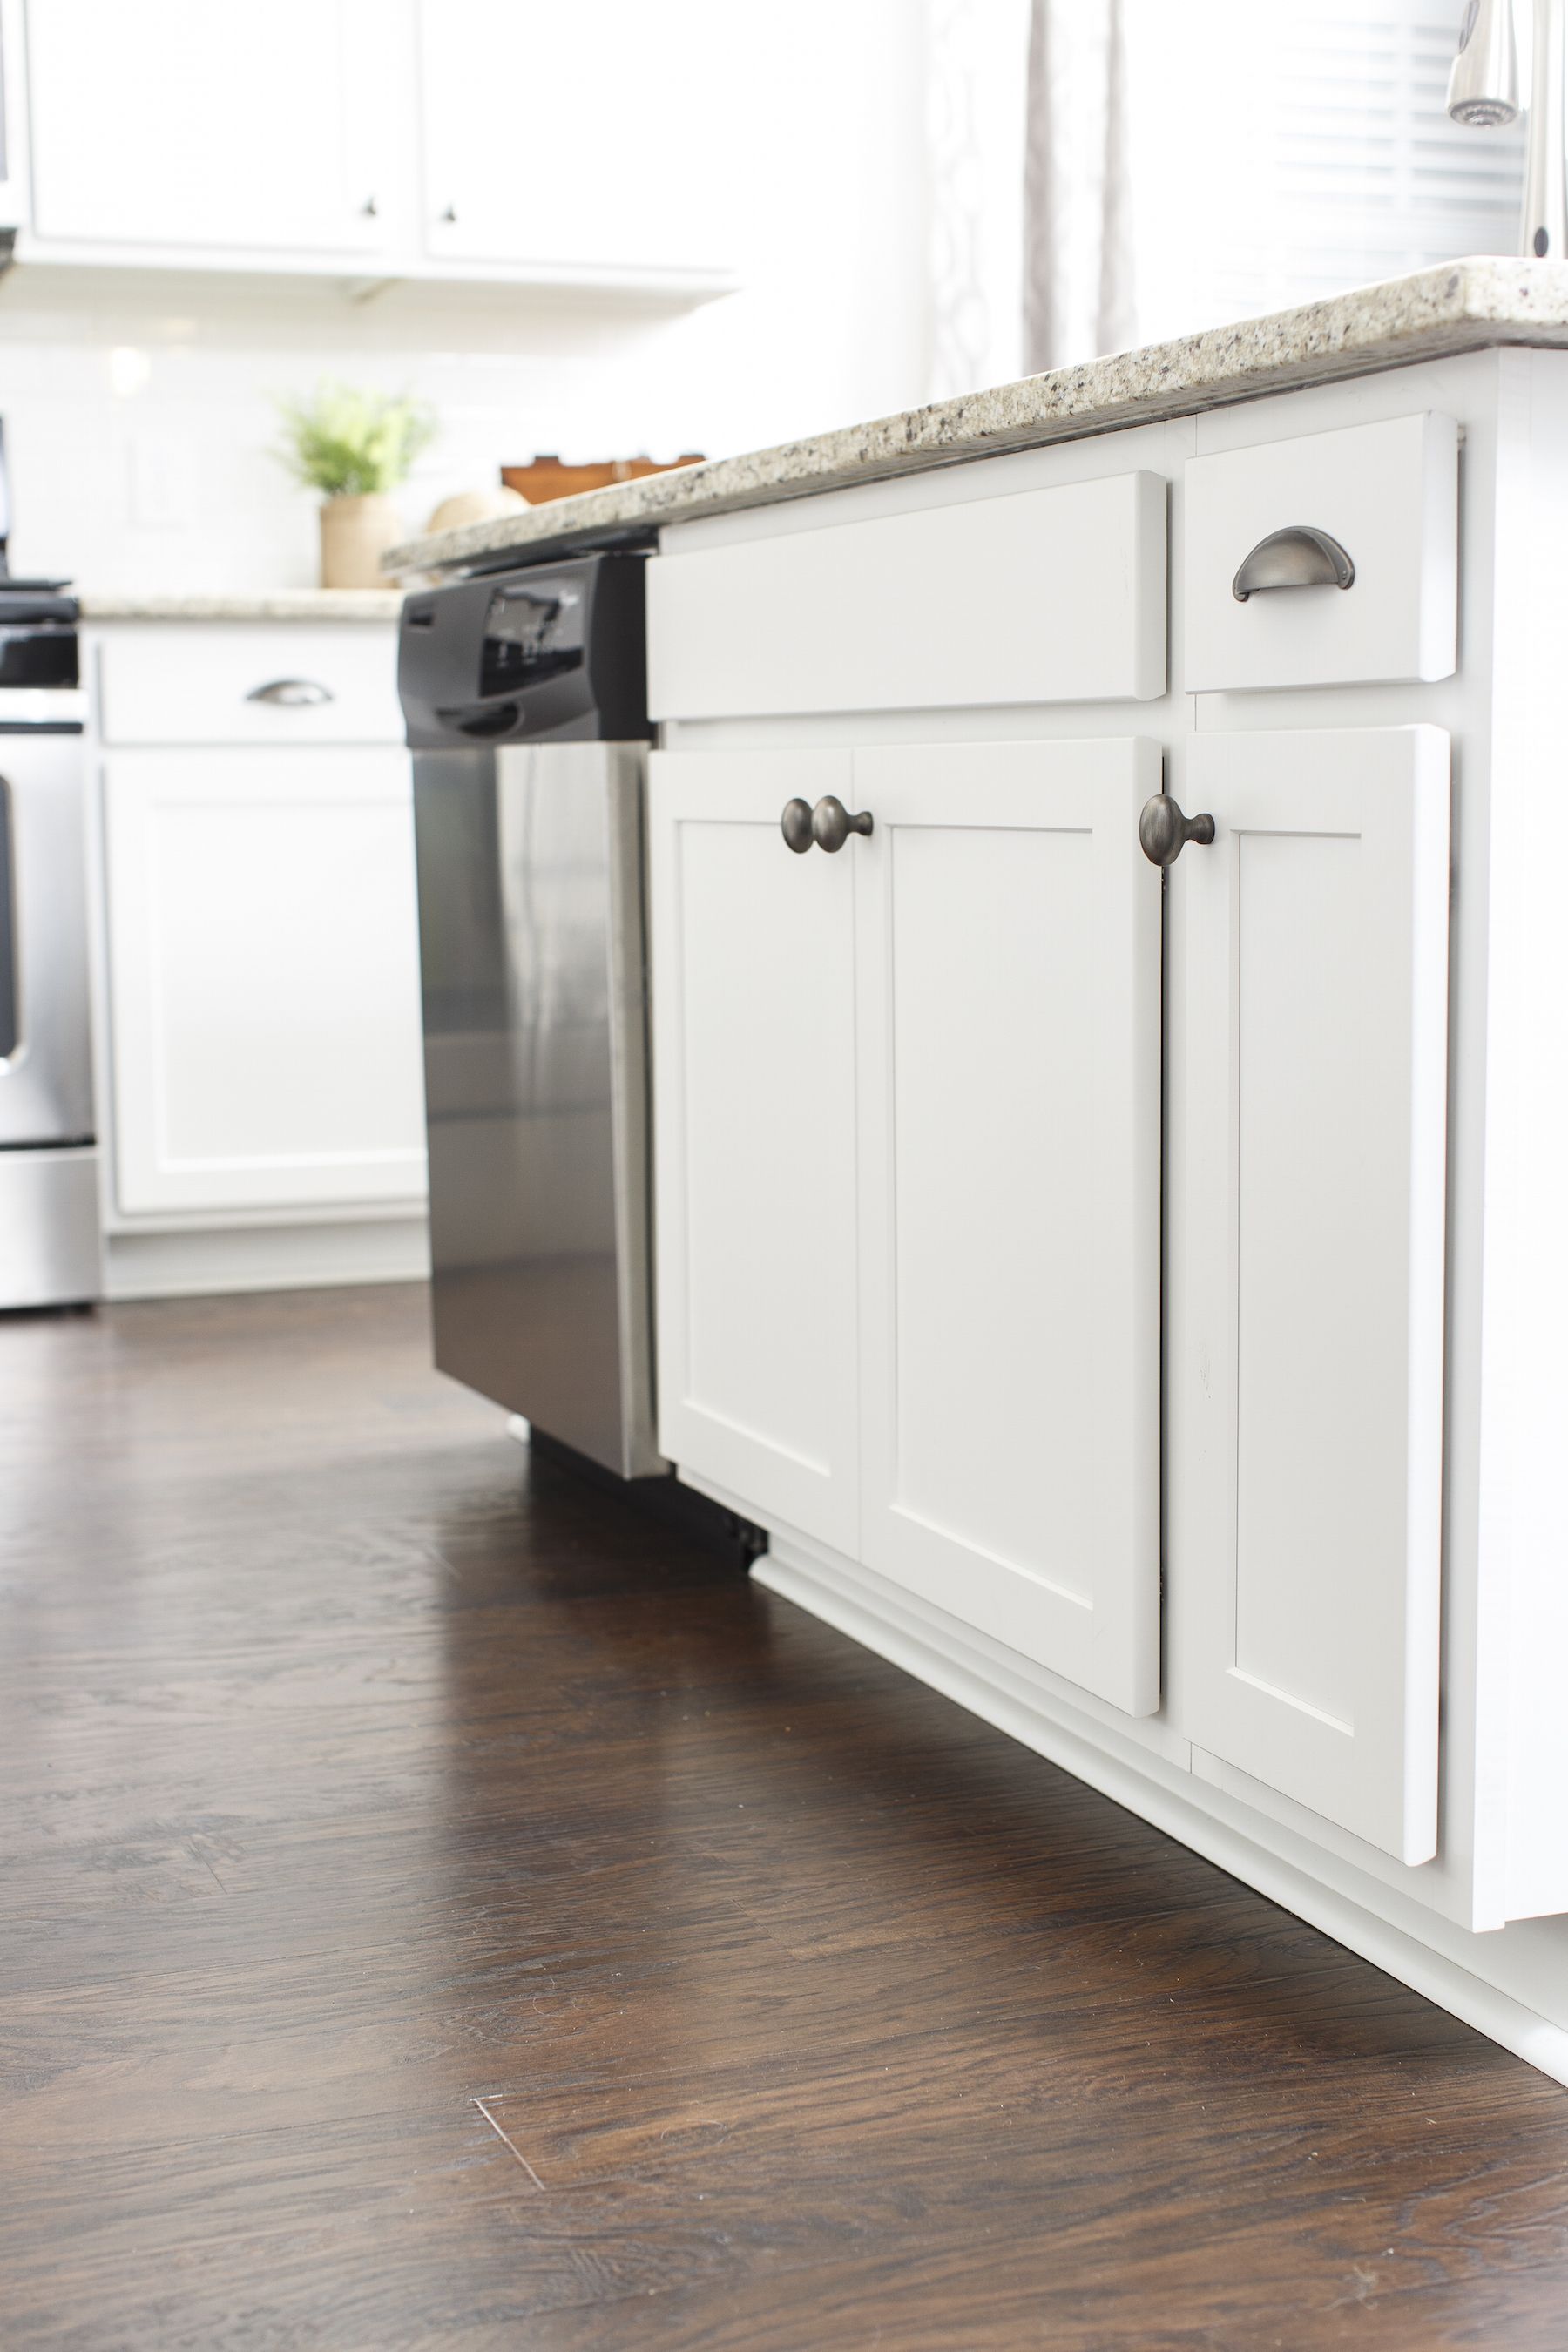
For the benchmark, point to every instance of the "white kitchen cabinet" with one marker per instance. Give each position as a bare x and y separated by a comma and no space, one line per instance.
199,126
14,172
1009,940
1309,1044
1387,493
1364,1278
508,175
375,139
984,1011
755,1108
263,989
882,613
908,1139
275,684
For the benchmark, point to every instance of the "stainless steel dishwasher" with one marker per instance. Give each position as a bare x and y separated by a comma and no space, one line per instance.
525,700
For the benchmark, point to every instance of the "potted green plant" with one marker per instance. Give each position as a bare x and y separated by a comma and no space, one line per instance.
355,447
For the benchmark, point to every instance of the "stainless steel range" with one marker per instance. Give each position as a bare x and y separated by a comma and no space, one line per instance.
48,1159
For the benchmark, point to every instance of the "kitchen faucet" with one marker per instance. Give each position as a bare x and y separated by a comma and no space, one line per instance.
1483,93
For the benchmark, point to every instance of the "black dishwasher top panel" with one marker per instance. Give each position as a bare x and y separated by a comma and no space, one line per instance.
553,653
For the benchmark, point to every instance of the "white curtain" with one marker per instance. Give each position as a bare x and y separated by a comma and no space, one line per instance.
1078,203
976,53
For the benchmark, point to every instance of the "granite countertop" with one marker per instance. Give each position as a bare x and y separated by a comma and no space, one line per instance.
1463,306
262,605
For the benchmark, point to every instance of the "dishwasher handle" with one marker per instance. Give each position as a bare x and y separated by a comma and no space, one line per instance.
485,722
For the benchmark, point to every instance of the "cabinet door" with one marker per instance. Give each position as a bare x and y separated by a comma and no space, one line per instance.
264,978
531,117
1307,1086
1010,1202
14,172
178,123
753,1044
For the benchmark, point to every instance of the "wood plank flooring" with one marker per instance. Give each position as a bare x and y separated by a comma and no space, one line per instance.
440,1909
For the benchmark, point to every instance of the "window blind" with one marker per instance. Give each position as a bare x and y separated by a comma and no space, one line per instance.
1295,157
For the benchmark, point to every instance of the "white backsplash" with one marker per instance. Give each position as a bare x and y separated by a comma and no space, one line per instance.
139,406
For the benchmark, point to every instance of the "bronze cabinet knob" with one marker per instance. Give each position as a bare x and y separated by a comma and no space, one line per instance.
832,825
795,826
1163,832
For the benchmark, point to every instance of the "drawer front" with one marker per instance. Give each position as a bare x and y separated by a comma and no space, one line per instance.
1047,596
210,682
1388,494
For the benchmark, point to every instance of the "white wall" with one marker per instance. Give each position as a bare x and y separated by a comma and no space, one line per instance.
139,409
878,217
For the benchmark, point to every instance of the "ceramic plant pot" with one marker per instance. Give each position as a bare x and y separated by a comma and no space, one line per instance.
356,534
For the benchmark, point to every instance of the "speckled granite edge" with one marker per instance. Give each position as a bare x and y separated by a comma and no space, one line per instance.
1463,306
280,604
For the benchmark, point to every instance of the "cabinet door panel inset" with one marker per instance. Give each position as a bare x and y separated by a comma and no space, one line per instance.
1308,1059
662,79
1010,1096
1301,1101
264,978
975,1154
180,124
753,998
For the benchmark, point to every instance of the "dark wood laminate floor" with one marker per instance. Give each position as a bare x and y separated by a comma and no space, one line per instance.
353,1774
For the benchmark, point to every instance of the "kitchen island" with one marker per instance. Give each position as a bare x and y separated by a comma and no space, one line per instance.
1109,1018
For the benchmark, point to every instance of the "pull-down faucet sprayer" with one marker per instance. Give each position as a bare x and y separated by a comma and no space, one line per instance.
1483,93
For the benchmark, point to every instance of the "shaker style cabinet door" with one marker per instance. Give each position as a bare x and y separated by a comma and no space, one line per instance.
264,978
516,172
752,987
1306,1093
179,123
1009,1028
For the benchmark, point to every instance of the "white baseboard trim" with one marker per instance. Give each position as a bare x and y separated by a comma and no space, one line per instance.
214,1259
859,1604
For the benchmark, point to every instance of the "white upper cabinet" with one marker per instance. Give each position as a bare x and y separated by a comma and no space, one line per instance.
505,140
529,114
1306,1095
186,126
1009,1027
13,118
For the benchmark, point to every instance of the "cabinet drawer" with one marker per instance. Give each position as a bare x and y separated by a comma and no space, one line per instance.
1388,494
1047,596
216,683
